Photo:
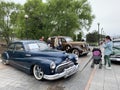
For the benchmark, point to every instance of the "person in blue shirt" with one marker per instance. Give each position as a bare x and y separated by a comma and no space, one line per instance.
107,51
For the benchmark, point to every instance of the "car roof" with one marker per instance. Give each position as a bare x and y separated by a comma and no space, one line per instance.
61,36
26,41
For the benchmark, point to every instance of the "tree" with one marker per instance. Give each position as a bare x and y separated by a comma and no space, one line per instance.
35,9
79,36
57,17
92,37
7,21
69,15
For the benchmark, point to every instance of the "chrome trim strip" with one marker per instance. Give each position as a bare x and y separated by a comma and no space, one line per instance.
67,72
115,59
64,64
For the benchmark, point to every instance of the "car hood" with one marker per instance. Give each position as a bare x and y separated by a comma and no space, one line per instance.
50,54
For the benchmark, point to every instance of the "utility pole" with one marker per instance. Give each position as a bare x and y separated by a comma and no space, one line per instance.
26,18
98,32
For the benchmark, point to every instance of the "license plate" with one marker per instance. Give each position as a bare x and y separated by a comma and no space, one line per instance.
70,71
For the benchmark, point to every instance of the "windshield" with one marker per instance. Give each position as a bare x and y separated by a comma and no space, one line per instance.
69,39
116,43
38,46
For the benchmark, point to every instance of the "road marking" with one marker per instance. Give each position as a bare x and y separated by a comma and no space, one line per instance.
90,79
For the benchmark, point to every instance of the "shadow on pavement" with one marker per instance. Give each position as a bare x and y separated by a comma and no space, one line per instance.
116,62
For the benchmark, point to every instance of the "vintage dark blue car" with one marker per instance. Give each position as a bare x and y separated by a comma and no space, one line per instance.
37,58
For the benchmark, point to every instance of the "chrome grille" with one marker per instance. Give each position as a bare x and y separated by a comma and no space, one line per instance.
66,64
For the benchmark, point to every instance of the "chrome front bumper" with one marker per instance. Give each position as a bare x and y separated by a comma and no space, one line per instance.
114,59
67,72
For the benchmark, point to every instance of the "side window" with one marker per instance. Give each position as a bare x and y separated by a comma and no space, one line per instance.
63,40
52,42
19,47
11,47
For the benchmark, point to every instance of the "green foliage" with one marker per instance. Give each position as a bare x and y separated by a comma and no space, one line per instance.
34,25
79,36
64,21
8,17
69,15
55,17
92,37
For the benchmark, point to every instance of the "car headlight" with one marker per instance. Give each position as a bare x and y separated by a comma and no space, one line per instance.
52,65
76,57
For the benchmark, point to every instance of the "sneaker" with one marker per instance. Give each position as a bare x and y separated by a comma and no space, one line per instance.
108,68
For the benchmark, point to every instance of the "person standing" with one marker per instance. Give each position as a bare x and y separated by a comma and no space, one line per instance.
107,51
56,42
42,38
49,42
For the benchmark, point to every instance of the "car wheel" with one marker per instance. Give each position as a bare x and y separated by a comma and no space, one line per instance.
76,51
67,48
5,62
38,73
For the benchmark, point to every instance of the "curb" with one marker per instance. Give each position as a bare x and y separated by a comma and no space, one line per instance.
86,64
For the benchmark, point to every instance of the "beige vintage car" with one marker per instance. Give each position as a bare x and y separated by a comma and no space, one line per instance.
68,45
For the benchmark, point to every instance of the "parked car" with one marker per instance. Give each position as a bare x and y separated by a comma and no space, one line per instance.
68,45
116,50
35,57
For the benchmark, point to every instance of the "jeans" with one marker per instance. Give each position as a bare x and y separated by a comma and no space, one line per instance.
107,60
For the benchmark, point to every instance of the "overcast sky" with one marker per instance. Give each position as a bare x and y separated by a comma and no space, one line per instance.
107,13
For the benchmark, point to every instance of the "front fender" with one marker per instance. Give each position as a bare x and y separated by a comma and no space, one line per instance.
43,63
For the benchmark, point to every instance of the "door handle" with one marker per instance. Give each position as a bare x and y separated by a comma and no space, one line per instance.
28,55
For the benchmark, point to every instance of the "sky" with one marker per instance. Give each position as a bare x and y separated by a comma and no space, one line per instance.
107,13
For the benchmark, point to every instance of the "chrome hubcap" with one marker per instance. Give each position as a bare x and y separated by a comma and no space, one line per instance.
37,72
75,52
67,48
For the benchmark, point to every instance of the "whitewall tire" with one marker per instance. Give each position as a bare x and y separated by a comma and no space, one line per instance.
37,72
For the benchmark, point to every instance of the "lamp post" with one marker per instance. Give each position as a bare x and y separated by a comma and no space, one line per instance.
98,31
101,33
26,17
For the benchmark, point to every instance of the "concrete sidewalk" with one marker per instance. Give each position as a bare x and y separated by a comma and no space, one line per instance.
104,79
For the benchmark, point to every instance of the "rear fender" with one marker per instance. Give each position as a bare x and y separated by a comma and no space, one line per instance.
5,56
67,46
77,47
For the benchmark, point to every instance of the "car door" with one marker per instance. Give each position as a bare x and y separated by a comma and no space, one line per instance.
64,43
19,56
10,51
